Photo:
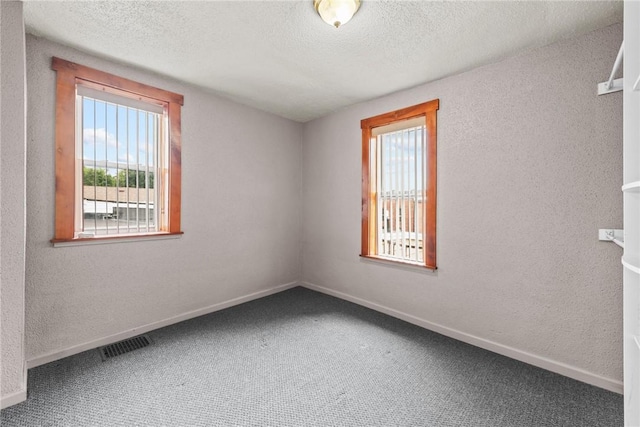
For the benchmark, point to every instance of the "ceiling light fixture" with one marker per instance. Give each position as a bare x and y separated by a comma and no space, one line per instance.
336,12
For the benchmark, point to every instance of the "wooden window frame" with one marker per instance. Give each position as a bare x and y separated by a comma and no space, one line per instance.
369,249
69,76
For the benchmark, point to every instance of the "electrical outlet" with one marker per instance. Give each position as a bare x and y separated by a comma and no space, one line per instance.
606,234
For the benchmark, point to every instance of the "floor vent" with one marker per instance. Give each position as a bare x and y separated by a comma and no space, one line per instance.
122,347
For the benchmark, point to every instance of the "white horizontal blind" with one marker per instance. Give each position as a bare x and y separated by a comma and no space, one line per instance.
400,184
119,152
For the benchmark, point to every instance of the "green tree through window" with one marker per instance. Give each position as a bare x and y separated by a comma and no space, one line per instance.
125,178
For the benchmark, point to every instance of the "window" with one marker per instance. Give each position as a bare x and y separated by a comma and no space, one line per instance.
399,185
118,156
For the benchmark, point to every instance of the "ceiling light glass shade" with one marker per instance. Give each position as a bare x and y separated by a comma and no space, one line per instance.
336,12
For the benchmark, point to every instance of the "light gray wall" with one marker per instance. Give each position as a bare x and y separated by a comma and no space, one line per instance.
529,167
241,209
12,201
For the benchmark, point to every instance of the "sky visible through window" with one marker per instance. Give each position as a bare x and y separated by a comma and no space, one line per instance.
399,151
116,137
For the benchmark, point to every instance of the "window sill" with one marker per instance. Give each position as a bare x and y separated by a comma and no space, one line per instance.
101,240
395,263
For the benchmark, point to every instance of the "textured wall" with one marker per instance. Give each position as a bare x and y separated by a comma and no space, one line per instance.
529,167
240,214
12,199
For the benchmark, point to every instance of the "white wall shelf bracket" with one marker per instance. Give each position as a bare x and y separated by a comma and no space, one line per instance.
604,88
611,235
612,85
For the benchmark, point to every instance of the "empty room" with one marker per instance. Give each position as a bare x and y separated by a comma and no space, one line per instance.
320,213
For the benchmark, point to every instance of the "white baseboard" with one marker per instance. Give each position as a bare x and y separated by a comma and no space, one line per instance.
64,352
13,398
523,356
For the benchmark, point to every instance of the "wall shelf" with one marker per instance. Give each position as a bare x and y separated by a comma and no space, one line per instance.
632,187
631,214
630,266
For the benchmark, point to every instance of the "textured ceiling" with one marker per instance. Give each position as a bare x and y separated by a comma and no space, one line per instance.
280,56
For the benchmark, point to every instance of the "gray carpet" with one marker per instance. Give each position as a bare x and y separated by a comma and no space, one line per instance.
300,358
